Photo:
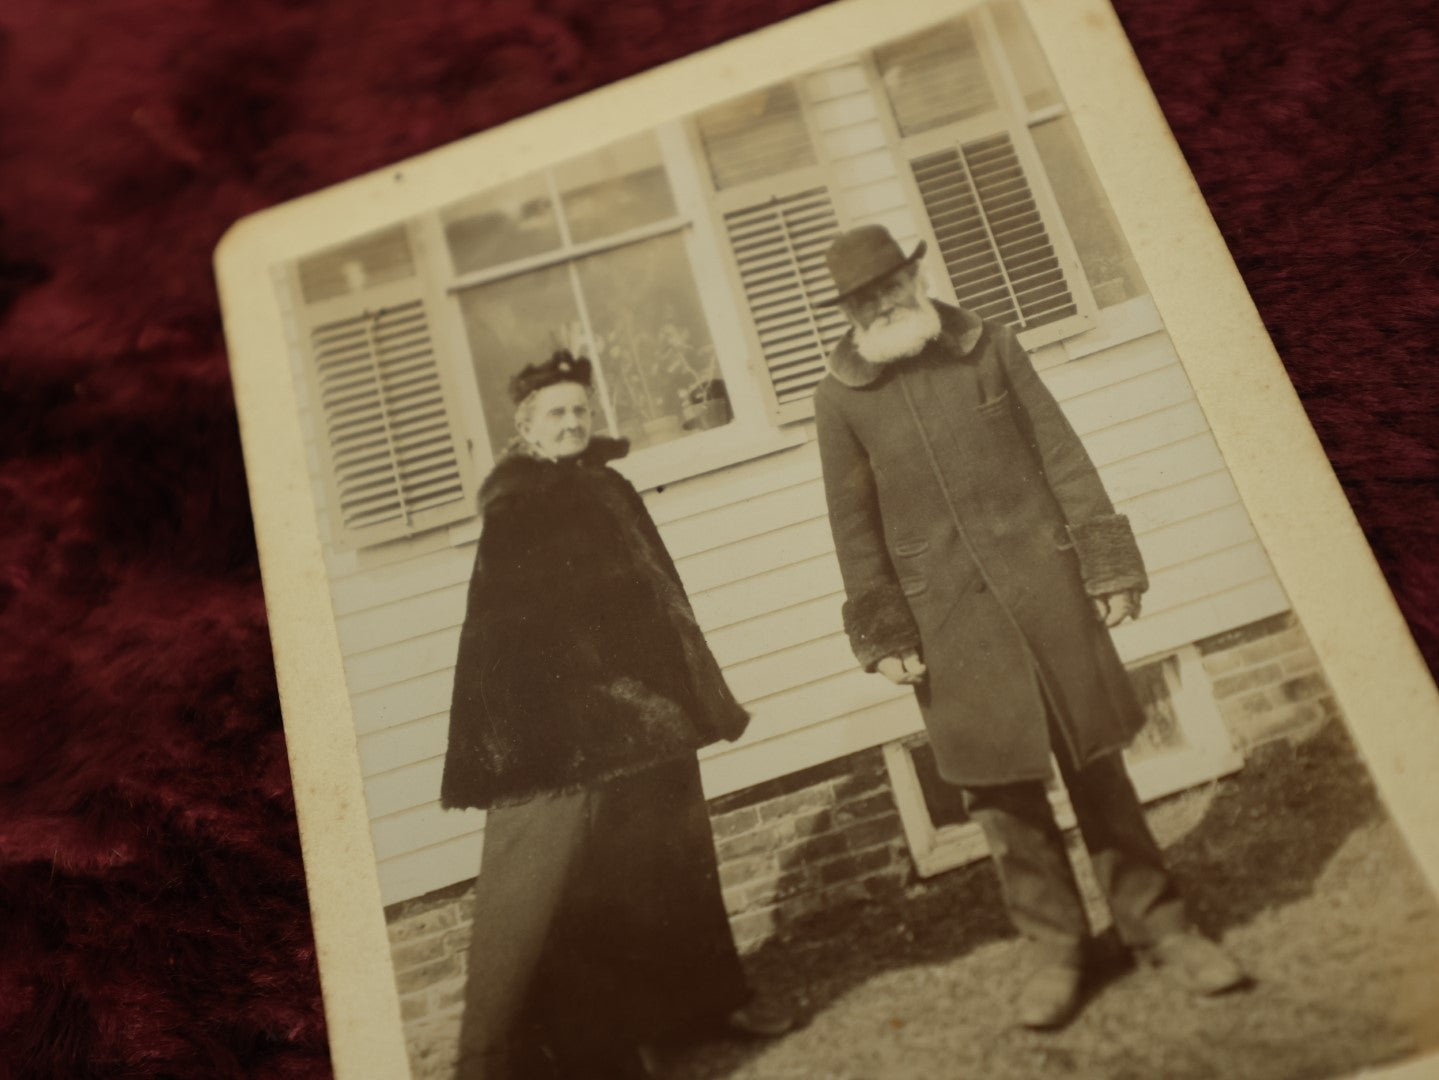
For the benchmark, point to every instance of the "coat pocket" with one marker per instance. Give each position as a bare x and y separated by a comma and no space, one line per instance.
913,588
995,405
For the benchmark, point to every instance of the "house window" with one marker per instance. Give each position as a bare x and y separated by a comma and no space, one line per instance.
1109,266
590,256
1183,743
778,216
959,123
386,414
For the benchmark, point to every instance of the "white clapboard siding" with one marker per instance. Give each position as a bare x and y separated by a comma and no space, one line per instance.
400,703
1092,374
400,620
404,744
1170,424
363,590
852,139
393,664
756,554
730,604
433,866
1194,537
1162,467
394,834
780,629
726,525
1128,400
723,488
814,702
1156,509
405,787
834,83
1191,580
776,672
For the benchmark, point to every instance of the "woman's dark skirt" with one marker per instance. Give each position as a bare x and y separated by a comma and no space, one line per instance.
598,925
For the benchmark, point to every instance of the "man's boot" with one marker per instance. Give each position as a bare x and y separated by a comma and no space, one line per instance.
1195,963
1051,996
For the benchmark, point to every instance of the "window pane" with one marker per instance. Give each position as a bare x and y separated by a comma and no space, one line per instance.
377,259
511,323
1154,684
1026,58
620,187
935,77
652,342
512,222
754,137
1109,265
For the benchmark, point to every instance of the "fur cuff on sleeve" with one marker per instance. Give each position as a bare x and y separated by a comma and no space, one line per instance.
1109,559
879,624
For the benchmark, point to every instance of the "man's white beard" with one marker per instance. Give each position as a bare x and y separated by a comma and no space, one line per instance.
901,336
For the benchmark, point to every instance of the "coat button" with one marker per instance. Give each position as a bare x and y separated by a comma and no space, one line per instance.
980,586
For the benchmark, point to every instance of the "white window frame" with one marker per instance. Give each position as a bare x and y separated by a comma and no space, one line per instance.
1208,753
1011,117
718,203
308,317
749,434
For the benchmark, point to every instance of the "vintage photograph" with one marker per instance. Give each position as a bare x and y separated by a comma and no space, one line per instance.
797,619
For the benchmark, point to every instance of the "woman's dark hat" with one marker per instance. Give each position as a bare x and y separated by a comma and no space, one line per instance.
560,367
862,256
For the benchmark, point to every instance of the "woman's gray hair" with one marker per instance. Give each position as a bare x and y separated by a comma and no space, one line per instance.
525,410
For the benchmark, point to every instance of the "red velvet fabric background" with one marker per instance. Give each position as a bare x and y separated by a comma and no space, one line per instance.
153,919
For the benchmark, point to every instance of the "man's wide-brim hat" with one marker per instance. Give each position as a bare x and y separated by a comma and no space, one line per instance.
863,256
560,367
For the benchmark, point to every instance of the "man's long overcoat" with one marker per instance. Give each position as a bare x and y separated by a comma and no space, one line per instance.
971,524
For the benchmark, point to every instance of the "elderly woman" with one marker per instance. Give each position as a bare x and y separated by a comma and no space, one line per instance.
583,688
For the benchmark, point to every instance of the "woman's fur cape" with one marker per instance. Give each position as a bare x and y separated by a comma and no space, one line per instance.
579,658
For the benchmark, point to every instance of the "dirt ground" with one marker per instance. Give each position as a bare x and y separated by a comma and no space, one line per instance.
1291,862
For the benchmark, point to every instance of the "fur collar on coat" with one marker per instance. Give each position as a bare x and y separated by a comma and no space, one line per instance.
579,657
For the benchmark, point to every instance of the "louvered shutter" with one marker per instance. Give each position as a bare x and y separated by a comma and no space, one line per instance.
779,217
779,249
386,430
991,234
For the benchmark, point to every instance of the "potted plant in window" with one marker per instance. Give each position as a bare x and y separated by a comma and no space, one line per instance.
705,404
661,382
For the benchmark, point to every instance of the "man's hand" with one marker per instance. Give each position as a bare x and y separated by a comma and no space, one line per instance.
1116,607
903,670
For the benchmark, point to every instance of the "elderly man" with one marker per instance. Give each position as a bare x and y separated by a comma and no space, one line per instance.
983,563
583,688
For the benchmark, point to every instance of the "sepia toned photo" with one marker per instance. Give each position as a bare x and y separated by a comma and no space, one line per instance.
793,615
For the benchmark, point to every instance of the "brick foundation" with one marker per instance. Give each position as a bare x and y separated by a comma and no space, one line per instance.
1267,682
429,938
831,834
805,842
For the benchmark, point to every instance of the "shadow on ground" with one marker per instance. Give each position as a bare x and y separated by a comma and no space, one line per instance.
1278,861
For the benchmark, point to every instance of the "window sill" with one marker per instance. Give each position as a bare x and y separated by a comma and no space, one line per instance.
653,469
657,467
1122,322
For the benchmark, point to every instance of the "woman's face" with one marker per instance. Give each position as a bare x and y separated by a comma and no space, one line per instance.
557,422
